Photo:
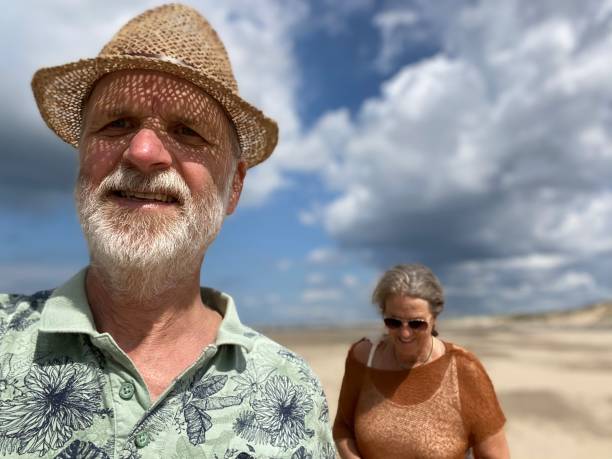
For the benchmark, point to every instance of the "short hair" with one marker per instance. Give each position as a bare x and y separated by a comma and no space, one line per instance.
414,280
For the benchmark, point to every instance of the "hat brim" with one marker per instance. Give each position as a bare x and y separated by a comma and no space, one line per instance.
61,92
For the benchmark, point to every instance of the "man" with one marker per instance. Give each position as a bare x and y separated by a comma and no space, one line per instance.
130,358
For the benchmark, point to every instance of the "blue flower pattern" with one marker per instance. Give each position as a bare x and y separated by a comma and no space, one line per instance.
45,402
199,401
301,453
278,415
59,398
82,450
48,405
20,320
252,380
307,377
9,382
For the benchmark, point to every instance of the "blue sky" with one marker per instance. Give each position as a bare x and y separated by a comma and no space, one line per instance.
475,137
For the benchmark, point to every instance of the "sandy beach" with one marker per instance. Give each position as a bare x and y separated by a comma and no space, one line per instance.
552,373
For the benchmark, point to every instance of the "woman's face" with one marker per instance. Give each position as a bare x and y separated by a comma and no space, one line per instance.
409,342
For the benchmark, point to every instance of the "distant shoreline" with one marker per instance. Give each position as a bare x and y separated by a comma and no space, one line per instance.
594,315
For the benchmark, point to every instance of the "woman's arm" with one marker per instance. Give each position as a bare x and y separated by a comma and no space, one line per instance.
493,447
344,425
347,448
482,414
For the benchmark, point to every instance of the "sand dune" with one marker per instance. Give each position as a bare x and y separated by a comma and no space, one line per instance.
552,373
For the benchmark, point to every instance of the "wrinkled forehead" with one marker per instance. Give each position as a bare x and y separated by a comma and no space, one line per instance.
129,91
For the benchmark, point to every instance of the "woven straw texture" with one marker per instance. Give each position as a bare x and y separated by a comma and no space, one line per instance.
174,39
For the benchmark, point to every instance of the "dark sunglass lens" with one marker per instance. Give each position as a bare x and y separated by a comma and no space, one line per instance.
417,324
392,323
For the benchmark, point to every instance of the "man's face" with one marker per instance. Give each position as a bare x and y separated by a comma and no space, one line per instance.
158,168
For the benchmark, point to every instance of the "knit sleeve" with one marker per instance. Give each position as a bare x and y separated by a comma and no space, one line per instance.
481,411
344,424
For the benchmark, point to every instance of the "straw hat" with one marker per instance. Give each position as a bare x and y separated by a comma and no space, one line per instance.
174,39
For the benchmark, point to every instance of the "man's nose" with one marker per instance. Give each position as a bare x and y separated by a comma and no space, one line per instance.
147,152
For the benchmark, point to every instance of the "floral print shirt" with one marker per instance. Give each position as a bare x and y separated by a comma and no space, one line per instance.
67,391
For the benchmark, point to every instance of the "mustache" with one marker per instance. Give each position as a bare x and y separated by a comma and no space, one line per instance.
167,182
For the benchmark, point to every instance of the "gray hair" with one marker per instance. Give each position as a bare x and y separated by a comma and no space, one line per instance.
411,280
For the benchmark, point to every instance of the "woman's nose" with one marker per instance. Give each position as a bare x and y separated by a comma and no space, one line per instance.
405,331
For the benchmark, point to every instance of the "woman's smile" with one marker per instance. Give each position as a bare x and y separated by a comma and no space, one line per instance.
406,340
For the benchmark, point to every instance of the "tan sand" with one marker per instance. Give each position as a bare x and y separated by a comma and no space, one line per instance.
553,377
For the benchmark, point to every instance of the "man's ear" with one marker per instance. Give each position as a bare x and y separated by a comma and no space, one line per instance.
237,182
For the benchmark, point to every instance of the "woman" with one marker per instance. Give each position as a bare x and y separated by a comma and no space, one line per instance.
409,394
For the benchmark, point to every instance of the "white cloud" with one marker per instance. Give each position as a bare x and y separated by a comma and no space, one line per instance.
313,315
583,228
284,265
322,255
535,261
313,153
399,28
394,19
321,295
332,16
350,281
572,280
315,279
495,150
308,217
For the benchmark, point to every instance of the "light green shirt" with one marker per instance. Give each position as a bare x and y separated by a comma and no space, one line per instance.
68,391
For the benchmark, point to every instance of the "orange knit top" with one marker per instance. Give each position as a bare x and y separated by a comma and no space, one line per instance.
438,410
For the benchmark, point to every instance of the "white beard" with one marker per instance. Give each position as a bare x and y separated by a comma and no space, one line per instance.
143,254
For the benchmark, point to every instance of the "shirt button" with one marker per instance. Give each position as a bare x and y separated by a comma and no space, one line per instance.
142,439
126,391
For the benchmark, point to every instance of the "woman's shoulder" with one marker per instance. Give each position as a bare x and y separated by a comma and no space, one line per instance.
459,351
360,350
468,365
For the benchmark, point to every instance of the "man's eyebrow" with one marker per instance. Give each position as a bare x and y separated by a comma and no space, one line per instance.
196,121
189,120
112,112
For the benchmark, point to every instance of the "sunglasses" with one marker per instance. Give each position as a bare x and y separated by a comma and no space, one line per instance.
414,324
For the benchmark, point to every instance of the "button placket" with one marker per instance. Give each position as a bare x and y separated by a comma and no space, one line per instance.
126,390
142,439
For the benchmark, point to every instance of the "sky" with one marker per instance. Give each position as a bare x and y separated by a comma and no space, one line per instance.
472,136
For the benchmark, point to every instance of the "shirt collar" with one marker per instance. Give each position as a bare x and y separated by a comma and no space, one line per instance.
231,330
67,311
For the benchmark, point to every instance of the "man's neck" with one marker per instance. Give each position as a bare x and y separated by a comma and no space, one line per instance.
163,334
134,319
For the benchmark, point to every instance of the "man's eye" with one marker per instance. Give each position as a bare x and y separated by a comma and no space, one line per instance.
184,130
189,136
120,123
